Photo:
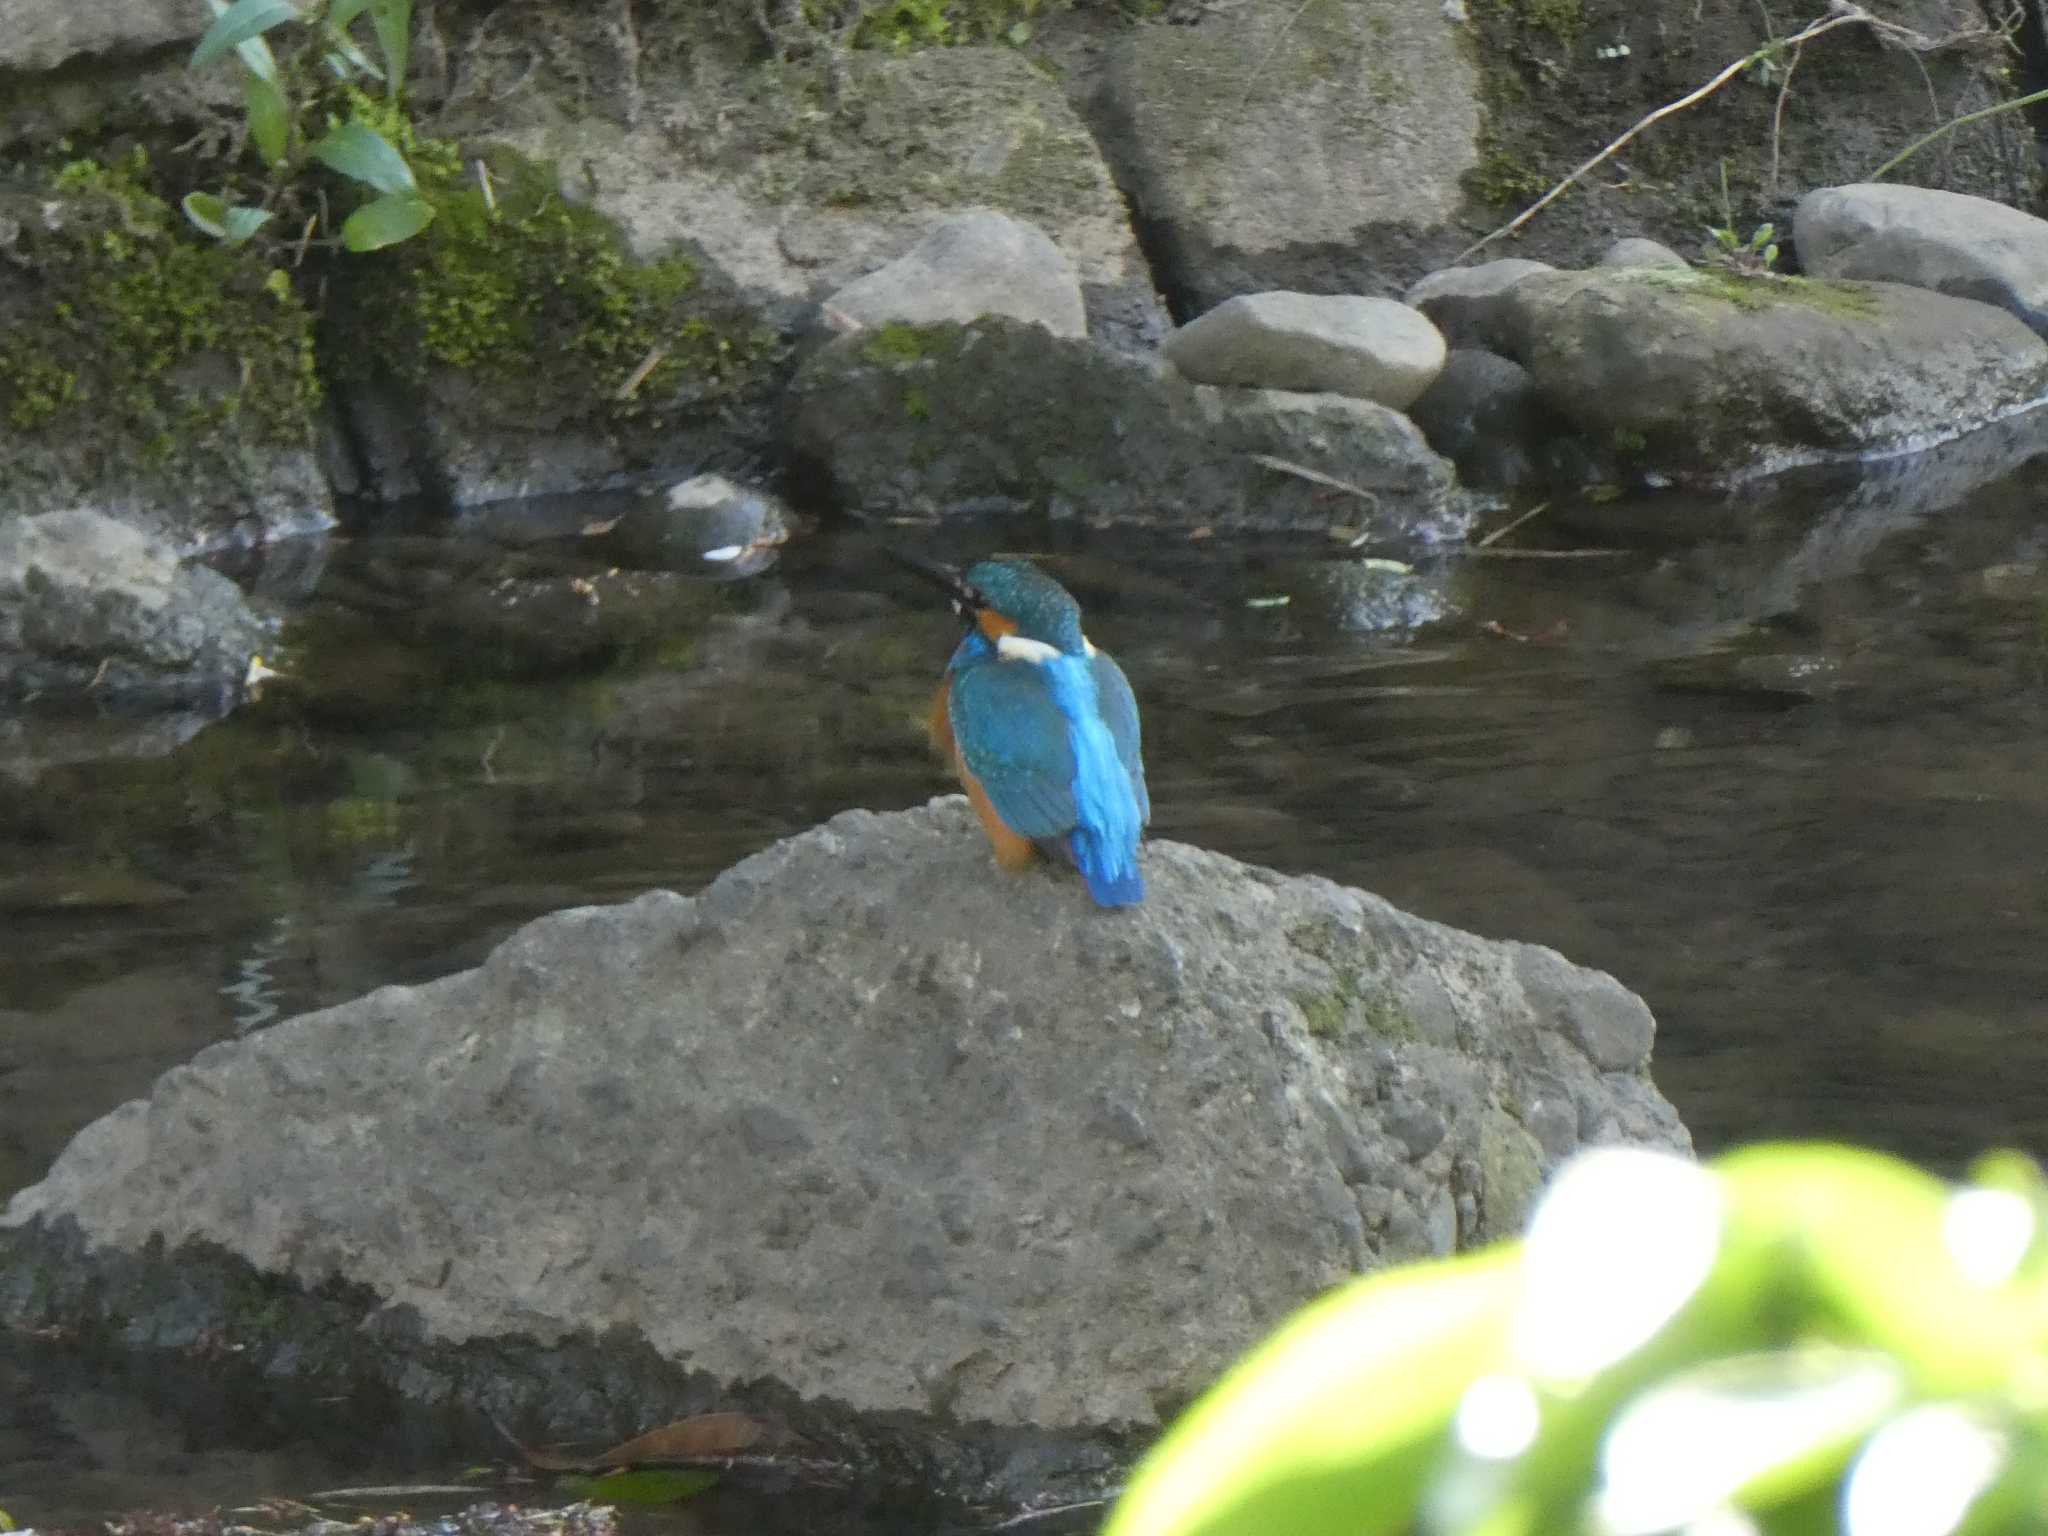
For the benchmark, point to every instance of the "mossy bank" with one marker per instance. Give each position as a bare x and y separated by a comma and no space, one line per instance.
143,371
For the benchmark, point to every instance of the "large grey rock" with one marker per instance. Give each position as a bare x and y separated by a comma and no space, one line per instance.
1953,243
1456,299
797,187
1002,417
1704,374
91,605
1369,349
981,262
864,1131
1278,145
36,35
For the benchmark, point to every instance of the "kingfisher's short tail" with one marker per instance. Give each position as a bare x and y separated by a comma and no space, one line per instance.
1110,872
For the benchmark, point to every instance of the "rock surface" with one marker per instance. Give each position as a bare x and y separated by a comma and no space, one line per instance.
1340,344
1704,374
1002,417
794,201
35,35
1283,146
1967,246
863,1131
89,605
1636,251
981,262
1457,299
1483,414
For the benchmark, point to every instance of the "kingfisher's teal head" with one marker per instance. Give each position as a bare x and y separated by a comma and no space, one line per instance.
1010,597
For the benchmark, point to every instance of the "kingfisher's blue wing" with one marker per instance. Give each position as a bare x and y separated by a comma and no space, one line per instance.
1013,739
1120,713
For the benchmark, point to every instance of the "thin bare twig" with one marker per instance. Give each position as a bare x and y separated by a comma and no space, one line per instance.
1842,15
1778,120
1313,476
1507,528
1951,126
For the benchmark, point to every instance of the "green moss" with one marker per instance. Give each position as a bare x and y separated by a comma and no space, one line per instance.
900,25
1628,440
1325,1013
129,322
1563,20
896,343
1757,292
35,387
1387,1019
512,282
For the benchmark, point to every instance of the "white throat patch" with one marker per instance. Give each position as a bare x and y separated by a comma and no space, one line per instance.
1017,648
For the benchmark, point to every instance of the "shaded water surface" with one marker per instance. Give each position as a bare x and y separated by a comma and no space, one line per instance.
1775,760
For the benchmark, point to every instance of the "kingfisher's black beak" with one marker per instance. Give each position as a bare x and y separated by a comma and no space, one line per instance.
965,599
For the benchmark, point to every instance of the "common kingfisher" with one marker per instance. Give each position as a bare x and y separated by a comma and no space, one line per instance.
1041,727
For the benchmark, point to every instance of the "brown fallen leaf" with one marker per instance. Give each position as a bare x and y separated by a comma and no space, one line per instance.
701,1437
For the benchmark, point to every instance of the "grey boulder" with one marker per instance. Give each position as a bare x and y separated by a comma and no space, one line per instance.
797,185
907,1151
1705,374
1310,147
1948,241
37,36
982,262
1340,344
90,606
1003,417
1636,251
1483,413
1456,299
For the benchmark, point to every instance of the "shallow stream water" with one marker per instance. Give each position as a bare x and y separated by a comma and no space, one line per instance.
1774,758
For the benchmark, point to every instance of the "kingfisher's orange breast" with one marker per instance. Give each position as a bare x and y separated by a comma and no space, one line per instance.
1012,850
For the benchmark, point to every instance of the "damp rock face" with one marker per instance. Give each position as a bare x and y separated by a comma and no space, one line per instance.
865,1133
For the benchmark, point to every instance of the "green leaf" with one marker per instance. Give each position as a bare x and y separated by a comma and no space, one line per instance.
239,23
345,58
342,12
7,1521
358,150
231,223
1335,1424
643,1485
270,117
386,222
392,20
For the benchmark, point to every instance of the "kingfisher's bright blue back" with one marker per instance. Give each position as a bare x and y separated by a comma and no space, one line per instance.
1045,730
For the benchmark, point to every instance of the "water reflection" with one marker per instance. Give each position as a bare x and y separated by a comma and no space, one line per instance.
1773,760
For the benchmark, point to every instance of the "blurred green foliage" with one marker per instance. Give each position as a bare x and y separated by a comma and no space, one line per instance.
309,107
1794,1339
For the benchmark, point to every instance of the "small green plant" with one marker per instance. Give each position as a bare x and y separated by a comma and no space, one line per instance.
1725,247
313,107
1799,1338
